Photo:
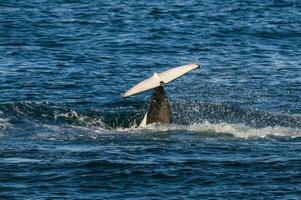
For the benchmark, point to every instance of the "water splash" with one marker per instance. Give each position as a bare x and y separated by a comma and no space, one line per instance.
52,122
236,130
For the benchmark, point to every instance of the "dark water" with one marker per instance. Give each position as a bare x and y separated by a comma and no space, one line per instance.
65,132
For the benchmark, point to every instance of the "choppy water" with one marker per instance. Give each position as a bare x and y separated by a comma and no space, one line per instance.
65,132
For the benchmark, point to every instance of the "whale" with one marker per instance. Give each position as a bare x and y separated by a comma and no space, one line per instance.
158,109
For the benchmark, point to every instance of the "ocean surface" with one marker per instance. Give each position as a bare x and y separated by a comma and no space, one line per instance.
66,132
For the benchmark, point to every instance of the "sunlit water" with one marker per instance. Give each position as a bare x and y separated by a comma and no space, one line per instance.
65,131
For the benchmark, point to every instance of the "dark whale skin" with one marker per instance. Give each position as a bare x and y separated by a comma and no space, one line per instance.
158,111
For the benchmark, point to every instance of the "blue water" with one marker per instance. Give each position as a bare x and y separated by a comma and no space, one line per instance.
66,133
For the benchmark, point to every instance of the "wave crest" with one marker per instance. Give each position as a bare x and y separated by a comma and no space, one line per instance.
236,130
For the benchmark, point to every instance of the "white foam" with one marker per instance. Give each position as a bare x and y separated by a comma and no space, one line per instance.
88,121
237,130
71,132
244,131
3,124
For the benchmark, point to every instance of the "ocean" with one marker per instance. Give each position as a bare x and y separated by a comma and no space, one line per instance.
67,133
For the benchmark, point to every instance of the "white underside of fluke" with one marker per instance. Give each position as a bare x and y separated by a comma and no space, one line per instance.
158,78
143,122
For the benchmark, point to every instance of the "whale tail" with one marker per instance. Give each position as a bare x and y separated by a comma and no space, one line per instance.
158,111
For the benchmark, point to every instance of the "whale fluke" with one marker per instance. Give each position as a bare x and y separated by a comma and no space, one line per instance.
158,78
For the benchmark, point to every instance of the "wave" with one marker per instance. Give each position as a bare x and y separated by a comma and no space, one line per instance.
206,129
2,124
121,117
236,130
